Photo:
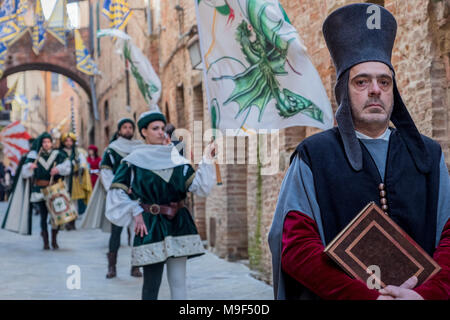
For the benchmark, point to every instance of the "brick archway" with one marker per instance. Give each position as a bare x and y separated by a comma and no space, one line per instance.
54,57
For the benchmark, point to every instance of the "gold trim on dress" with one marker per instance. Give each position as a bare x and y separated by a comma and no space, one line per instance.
189,181
119,186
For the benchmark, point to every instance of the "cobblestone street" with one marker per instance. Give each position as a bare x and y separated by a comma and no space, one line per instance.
28,272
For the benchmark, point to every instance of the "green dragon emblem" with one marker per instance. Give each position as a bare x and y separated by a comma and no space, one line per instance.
266,53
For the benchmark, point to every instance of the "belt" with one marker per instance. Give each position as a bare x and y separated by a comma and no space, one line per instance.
42,183
95,171
168,210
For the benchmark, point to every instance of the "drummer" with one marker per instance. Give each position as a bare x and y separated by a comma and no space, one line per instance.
41,164
78,182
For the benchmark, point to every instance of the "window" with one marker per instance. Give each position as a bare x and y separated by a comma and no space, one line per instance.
167,113
92,135
179,100
106,137
106,110
55,81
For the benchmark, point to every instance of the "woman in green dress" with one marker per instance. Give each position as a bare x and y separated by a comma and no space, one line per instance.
151,185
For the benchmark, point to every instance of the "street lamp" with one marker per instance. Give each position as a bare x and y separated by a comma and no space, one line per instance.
195,55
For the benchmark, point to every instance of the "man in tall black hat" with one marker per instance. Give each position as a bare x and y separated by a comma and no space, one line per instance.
335,173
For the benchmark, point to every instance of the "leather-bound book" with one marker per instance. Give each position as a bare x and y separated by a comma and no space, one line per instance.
373,248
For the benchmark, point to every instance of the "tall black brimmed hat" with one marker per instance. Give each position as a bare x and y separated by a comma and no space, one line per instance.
358,33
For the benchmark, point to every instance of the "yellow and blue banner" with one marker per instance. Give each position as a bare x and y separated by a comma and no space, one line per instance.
9,30
3,50
118,12
8,10
84,61
12,24
39,32
58,23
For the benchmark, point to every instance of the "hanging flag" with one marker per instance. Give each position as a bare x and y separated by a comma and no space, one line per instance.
147,80
22,8
38,33
20,105
14,138
9,30
118,13
11,93
58,23
84,61
258,74
3,51
8,10
22,99
12,25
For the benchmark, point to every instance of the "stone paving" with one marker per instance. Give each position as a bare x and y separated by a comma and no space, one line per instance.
28,272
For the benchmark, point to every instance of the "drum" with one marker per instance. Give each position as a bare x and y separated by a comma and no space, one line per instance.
59,203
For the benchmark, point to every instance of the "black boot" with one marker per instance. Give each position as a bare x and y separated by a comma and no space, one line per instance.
112,260
70,225
54,243
44,235
135,272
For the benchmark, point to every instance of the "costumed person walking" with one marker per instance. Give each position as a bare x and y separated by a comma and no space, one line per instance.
78,182
34,174
334,174
150,186
94,163
120,146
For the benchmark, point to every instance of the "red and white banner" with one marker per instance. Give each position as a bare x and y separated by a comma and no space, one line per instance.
15,141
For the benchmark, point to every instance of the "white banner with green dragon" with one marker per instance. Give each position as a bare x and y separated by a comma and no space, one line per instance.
258,73
141,68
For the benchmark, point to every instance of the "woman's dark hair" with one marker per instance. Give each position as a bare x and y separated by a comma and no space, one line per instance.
146,127
170,128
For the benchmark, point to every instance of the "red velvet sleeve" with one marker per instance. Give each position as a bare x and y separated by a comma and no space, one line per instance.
303,259
438,287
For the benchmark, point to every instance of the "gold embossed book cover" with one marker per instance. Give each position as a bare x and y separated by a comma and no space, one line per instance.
373,241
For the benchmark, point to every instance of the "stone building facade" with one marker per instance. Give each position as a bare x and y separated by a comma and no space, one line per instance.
117,93
235,219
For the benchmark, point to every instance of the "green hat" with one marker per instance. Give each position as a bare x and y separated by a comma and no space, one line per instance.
150,116
119,125
125,120
37,143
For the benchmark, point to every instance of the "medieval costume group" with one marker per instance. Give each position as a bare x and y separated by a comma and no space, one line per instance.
138,185
332,176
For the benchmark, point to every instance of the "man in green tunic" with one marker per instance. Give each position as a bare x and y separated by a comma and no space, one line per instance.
120,146
41,164
151,185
